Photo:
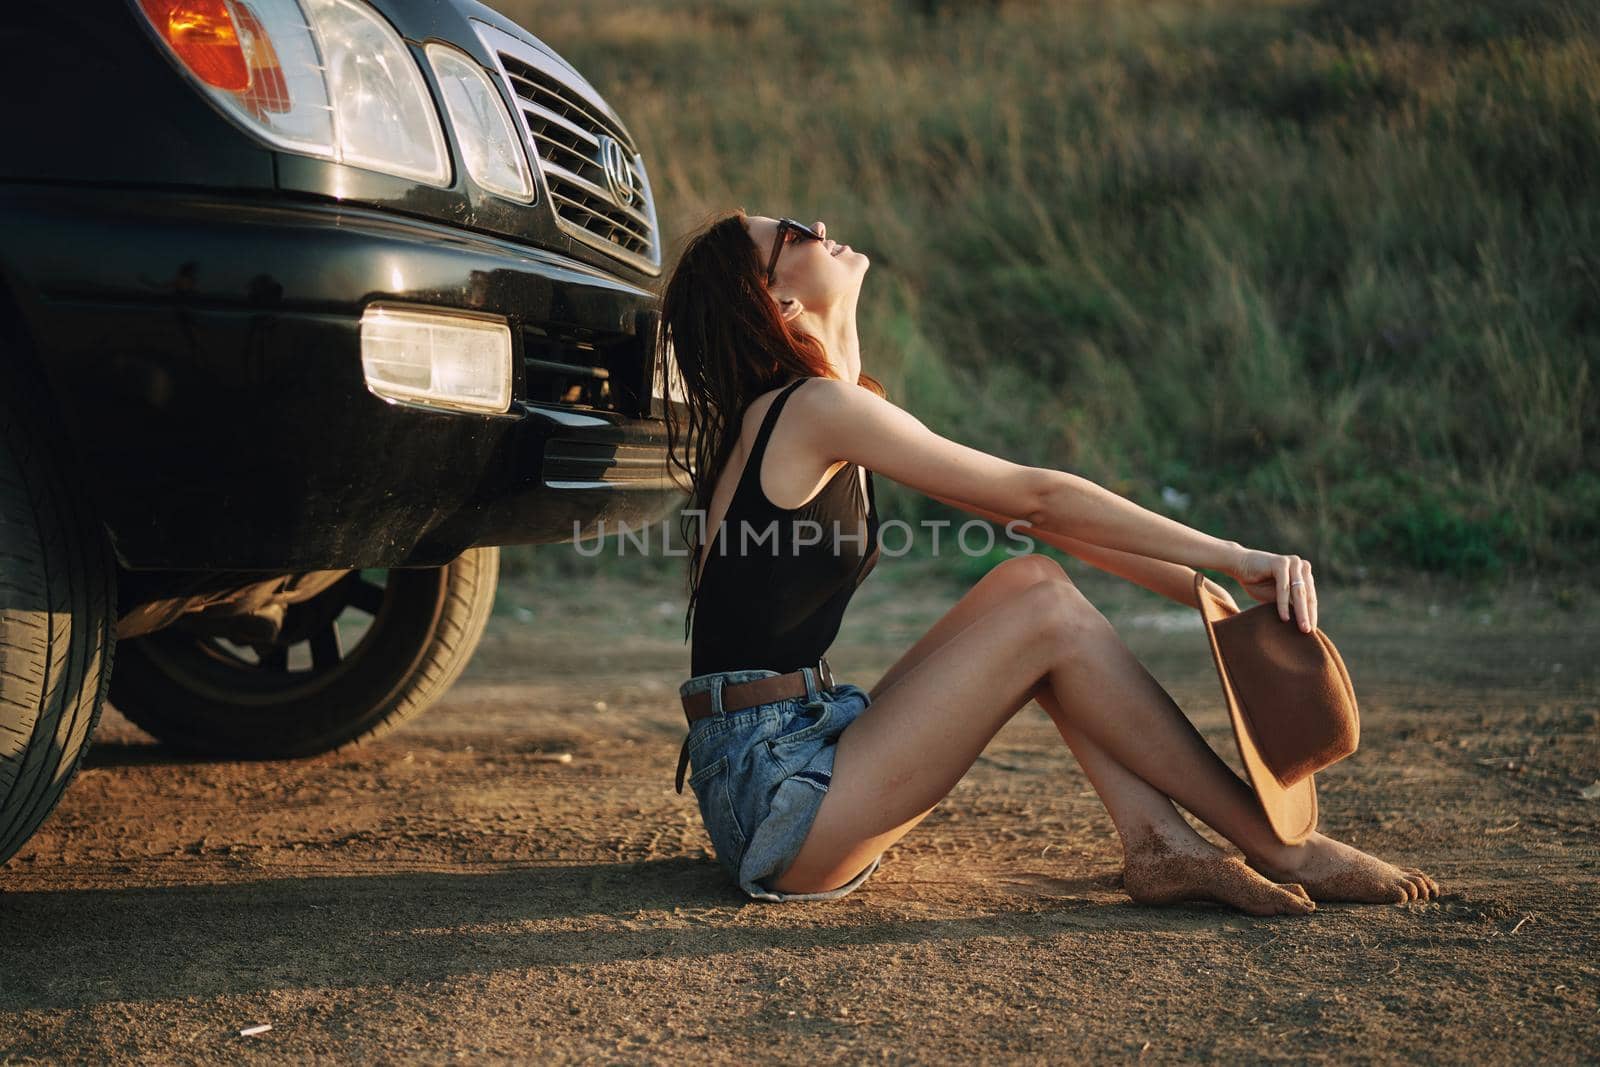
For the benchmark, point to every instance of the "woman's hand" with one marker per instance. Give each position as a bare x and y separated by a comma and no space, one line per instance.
1267,575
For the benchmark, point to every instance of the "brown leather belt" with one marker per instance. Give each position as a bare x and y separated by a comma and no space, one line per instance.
697,706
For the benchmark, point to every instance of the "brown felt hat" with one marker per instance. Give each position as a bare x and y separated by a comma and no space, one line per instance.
1290,700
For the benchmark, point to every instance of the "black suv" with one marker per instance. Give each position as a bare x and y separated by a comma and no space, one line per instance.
305,306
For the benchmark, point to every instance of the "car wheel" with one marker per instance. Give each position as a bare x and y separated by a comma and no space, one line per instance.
366,654
57,626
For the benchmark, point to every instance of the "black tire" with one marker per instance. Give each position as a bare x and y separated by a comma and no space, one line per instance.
57,625
203,695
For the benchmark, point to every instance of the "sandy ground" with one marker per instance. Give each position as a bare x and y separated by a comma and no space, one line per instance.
458,891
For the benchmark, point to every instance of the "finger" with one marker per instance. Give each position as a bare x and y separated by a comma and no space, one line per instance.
1311,591
1302,596
1281,580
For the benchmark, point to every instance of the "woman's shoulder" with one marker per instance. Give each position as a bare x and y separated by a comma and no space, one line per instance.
772,394
756,408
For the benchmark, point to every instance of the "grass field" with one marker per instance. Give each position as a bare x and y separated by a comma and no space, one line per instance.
1330,270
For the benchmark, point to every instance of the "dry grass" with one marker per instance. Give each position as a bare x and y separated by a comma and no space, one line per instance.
1329,268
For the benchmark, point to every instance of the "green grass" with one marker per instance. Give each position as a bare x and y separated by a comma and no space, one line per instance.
1332,269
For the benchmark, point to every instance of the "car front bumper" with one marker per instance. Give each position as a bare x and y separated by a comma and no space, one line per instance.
204,356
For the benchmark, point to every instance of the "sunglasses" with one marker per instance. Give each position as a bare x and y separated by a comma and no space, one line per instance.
788,230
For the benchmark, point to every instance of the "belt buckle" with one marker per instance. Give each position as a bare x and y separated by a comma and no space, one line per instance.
825,673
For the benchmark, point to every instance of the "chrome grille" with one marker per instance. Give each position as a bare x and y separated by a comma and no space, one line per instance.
571,134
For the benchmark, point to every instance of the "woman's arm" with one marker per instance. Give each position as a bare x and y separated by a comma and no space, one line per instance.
1171,580
844,421
1104,519
841,420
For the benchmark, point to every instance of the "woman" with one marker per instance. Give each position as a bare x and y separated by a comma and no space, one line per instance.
803,781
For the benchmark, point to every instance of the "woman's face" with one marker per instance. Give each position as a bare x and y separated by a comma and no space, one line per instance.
817,273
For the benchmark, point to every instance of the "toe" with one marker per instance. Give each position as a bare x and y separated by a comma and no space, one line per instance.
1297,889
1293,903
1286,903
1430,888
1423,883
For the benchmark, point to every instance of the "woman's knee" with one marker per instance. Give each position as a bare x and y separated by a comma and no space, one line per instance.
1044,605
1027,570
1059,613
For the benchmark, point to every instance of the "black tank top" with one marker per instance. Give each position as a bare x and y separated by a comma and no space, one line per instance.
776,602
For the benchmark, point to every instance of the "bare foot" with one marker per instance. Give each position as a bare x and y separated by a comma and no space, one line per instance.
1332,870
1171,869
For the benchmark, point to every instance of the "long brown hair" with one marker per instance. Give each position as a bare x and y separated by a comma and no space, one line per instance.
723,331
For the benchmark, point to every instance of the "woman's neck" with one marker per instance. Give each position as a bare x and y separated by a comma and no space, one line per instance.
835,328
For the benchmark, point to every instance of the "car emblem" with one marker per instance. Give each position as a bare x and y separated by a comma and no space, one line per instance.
619,171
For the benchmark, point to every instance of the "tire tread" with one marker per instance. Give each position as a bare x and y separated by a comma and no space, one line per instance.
62,562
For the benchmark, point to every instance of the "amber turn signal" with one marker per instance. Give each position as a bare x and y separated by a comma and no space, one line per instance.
203,35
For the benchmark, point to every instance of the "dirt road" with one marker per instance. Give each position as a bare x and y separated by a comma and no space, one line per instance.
462,890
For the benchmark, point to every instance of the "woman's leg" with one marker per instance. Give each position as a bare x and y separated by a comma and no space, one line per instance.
923,732
1136,809
1154,838
1165,861
930,720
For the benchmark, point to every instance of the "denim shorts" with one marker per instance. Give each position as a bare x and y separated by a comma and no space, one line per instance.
759,775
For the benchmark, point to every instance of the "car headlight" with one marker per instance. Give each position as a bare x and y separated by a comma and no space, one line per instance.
489,142
333,79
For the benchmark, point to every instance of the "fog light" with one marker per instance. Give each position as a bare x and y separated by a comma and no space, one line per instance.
440,359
